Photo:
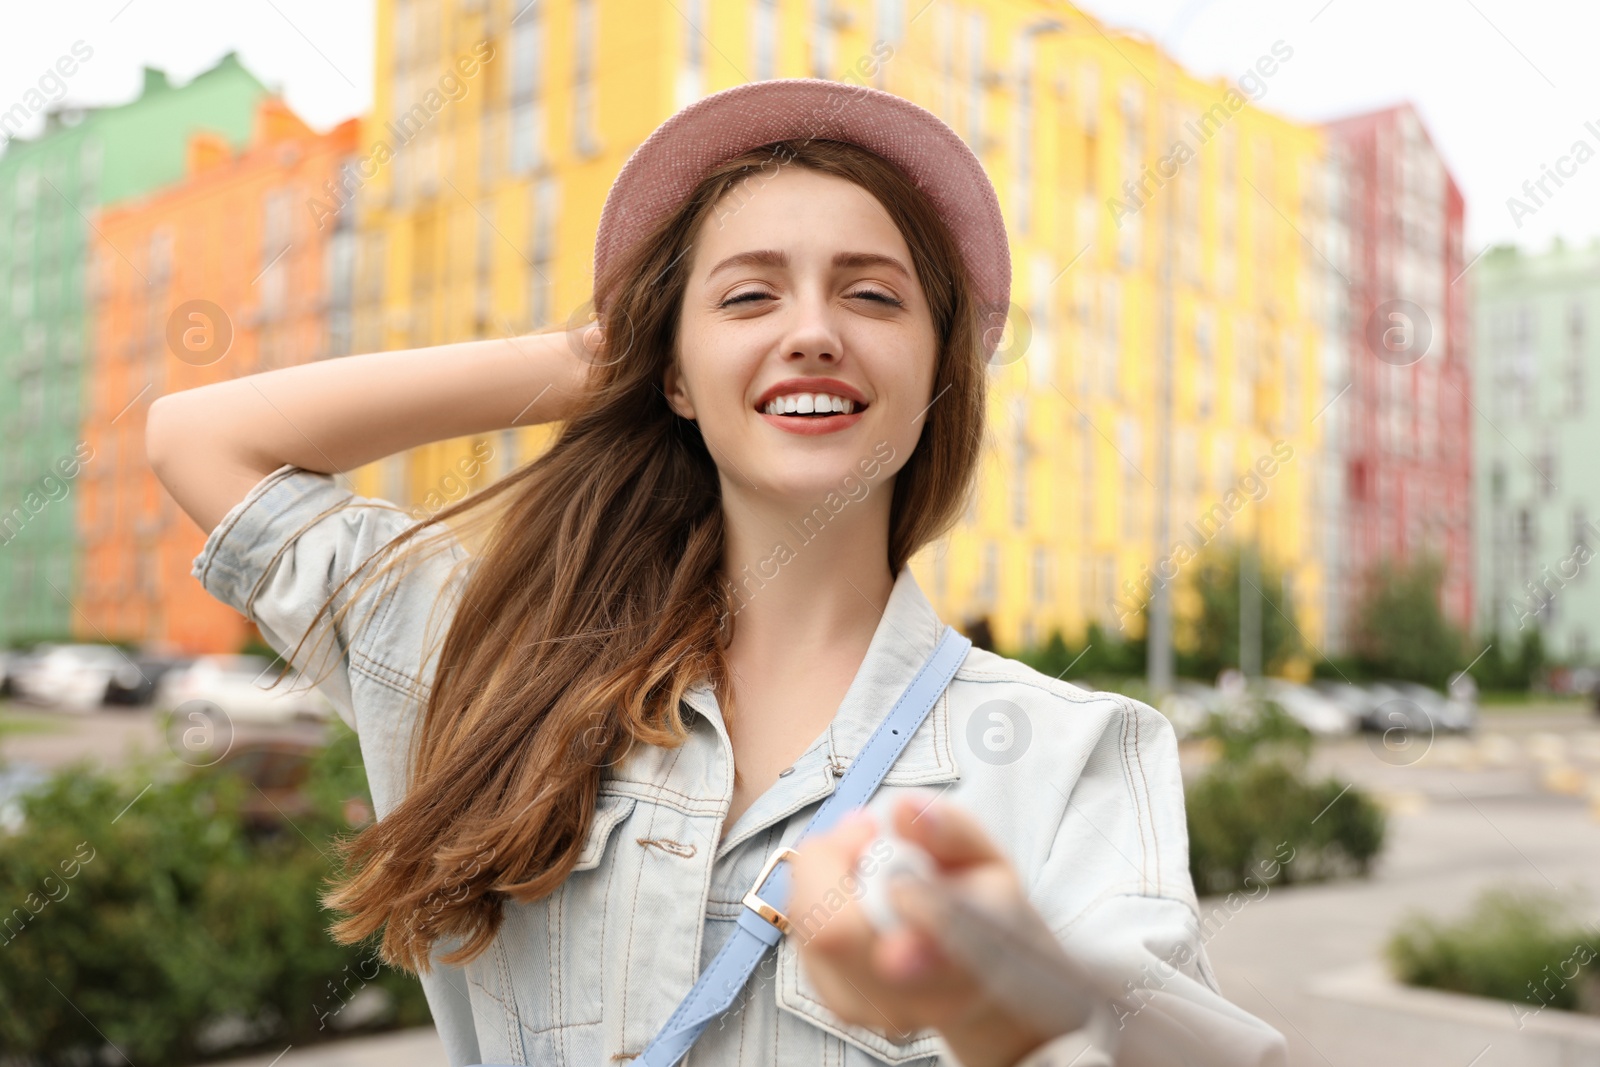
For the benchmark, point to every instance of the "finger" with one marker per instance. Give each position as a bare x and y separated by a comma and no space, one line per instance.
902,958
825,884
952,837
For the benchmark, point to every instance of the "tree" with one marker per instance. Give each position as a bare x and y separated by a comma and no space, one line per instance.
1400,630
1212,635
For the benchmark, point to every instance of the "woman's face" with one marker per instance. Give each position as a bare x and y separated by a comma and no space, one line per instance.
800,284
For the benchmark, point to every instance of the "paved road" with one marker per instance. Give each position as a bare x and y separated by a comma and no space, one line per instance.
1514,805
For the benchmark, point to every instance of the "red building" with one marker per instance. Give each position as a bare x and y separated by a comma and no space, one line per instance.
1404,424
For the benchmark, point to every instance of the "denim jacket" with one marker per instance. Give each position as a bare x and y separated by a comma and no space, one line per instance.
1080,789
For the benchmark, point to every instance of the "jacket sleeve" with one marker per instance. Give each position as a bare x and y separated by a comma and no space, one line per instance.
276,557
1137,926
280,553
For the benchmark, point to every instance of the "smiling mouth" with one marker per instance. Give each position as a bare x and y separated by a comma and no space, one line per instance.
811,406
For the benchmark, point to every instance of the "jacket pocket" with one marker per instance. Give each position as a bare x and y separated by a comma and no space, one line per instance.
797,995
545,974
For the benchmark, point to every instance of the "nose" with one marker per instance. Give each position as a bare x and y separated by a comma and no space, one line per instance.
813,330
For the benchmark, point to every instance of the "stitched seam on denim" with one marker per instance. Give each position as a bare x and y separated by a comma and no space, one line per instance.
1077,696
605,907
1155,831
653,791
1133,794
508,1006
1146,809
557,912
864,1037
272,482
385,676
633,914
887,760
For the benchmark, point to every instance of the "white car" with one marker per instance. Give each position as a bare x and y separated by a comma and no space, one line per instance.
1317,712
246,688
73,677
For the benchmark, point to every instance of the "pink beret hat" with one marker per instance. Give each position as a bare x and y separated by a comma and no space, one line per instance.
665,169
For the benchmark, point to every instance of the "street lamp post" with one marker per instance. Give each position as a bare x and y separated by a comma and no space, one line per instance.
1158,637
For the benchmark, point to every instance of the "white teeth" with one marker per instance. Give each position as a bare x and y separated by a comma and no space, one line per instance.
809,403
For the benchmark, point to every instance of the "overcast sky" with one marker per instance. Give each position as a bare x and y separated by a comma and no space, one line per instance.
1505,87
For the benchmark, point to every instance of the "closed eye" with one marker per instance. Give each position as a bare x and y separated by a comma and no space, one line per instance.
882,298
745,298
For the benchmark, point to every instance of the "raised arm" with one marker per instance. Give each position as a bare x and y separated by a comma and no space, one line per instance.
209,446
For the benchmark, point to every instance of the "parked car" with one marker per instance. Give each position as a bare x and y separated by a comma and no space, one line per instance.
246,688
74,677
141,688
1191,704
1357,703
1450,713
1319,713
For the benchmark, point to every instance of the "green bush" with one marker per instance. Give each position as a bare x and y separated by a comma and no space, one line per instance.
141,912
1254,815
1515,944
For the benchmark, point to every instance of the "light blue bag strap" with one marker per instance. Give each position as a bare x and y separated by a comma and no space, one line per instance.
719,986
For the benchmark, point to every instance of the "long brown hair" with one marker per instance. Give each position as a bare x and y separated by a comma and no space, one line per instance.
595,601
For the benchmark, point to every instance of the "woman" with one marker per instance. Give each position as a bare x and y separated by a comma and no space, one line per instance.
679,626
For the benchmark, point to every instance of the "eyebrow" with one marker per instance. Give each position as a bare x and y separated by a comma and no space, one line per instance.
772,257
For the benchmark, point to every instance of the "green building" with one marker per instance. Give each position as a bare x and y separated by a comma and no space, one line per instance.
1537,447
51,190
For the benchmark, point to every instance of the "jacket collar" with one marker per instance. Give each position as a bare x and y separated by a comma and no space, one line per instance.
904,639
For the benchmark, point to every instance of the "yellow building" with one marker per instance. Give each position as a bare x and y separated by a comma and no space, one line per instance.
515,117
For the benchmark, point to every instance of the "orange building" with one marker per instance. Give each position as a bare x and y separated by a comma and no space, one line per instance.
240,267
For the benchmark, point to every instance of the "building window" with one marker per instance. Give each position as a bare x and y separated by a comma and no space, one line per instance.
1110,312
765,19
276,236
1205,382
692,75
1024,197
585,83
891,16
1042,577
1019,462
975,82
527,134
989,580
821,38
1041,348
1130,444
1575,376
546,197
1544,462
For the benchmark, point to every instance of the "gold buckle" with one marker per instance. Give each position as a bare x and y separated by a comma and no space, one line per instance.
761,907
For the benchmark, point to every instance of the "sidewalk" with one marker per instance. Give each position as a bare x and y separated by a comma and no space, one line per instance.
419,1047
1441,854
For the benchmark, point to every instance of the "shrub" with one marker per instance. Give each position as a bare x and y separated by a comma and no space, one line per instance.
1515,944
1243,815
1254,814
142,913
